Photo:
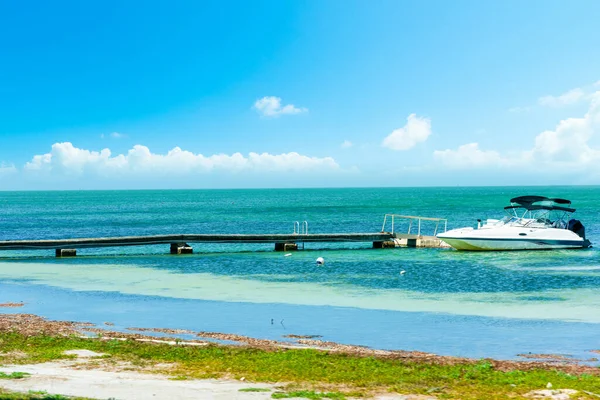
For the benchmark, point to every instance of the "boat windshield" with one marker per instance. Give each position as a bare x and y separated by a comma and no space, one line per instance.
508,219
516,221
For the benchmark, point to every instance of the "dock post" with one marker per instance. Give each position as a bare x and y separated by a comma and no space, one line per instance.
388,244
286,246
66,253
181,248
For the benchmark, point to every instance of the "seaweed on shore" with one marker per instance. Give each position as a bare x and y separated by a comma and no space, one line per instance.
320,367
11,305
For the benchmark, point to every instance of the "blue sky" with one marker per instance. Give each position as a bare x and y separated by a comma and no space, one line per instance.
298,93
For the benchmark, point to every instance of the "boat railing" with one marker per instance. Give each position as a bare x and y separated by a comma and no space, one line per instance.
411,219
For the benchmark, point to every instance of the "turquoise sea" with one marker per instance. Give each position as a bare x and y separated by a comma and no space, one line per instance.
448,302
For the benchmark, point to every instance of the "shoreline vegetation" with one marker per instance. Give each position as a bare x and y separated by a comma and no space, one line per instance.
310,368
11,305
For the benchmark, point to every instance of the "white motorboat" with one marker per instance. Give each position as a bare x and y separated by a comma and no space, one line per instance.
532,223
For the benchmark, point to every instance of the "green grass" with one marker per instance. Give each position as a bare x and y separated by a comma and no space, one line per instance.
306,369
308,394
13,375
179,378
6,395
254,390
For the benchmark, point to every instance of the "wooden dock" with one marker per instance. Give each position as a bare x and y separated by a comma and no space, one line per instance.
180,244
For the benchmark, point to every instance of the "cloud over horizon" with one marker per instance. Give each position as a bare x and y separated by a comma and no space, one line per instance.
566,148
66,160
467,156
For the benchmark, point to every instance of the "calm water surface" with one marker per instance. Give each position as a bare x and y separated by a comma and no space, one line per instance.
447,302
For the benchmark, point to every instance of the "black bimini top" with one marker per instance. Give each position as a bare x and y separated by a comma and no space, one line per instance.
531,203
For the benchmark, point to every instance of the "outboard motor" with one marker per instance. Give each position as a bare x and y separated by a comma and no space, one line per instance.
576,226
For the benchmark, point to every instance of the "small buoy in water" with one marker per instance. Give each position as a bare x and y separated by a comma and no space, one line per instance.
288,254
320,261
402,272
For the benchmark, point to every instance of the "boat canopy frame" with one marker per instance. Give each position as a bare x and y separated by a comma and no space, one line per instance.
528,205
529,201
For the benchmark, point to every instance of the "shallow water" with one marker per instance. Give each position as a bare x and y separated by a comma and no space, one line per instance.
448,302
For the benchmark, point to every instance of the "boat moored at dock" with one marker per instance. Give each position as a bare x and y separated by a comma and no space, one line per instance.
533,223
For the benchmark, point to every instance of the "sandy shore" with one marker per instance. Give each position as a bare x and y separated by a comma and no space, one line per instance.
70,379
89,376
75,378
32,325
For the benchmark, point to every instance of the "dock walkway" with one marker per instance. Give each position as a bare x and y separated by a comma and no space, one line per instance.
193,238
283,242
180,243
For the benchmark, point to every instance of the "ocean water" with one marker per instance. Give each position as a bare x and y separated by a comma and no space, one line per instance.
448,302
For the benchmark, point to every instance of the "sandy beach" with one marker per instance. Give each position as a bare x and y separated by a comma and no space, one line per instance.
86,373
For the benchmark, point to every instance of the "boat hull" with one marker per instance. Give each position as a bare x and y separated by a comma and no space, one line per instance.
472,244
513,239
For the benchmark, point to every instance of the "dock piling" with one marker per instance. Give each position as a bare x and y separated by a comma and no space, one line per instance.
66,253
285,246
387,244
181,248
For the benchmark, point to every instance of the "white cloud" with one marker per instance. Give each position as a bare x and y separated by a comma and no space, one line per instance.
573,96
64,159
468,156
570,97
270,106
346,144
416,130
565,149
569,141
